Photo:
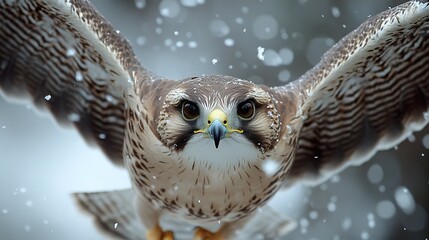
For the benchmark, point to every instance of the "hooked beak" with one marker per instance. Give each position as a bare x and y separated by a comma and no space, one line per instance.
217,131
217,127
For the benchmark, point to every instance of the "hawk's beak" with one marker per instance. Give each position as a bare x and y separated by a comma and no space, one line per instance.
217,126
217,131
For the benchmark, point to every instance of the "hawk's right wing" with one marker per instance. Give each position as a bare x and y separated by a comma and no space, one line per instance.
66,57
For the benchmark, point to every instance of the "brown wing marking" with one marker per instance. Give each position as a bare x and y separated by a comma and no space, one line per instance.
67,58
368,93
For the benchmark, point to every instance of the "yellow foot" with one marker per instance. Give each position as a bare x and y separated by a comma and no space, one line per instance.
156,233
203,234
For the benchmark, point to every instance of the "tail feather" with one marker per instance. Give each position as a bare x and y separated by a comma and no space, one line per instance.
115,215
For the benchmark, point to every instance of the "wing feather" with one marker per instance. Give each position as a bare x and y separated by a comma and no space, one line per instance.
368,93
67,58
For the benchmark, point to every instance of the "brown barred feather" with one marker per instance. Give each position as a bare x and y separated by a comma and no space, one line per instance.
67,58
368,93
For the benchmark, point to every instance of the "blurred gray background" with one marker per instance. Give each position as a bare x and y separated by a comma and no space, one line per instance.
42,163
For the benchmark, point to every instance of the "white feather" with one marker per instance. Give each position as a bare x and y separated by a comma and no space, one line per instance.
232,151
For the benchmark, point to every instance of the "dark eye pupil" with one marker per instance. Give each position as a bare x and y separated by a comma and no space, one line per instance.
190,111
245,110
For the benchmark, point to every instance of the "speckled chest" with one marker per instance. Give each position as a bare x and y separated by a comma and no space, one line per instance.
191,190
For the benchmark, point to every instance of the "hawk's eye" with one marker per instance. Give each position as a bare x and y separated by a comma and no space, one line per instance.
190,111
246,110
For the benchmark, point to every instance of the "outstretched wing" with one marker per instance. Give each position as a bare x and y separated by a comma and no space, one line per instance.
66,57
368,93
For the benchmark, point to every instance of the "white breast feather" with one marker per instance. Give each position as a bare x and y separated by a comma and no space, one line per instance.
232,151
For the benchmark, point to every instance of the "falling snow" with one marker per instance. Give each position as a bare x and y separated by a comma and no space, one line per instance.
141,40
272,58
261,53
74,117
192,3
385,209
313,215
284,75
192,44
371,220
29,203
405,200
265,27
346,224
332,207
169,8
78,76
270,167
335,12
375,174
140,4
70,52
364,235
229,42
286,55
219,28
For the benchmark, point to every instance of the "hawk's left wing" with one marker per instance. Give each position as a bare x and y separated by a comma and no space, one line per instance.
369,92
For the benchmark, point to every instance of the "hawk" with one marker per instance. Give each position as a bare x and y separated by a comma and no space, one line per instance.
196,148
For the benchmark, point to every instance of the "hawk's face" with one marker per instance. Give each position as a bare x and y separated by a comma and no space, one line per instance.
217,117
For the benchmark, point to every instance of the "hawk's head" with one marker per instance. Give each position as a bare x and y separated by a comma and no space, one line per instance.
219,115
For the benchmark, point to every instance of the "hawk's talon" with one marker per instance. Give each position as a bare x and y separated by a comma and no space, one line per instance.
203,234
167,235
156,233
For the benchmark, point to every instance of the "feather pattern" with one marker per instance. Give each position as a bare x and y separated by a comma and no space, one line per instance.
368,93
67,58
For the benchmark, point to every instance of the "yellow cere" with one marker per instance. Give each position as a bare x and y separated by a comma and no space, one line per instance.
221,116
218,115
